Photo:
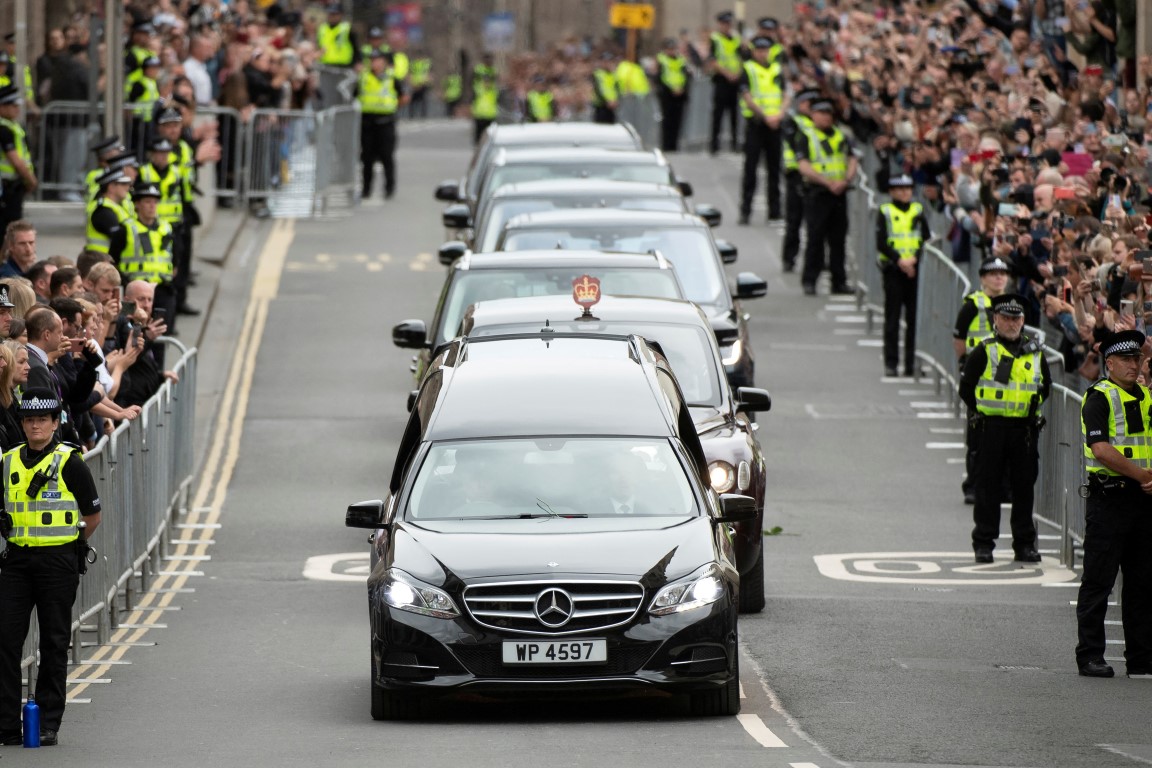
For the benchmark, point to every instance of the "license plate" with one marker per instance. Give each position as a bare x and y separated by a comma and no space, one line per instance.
556,652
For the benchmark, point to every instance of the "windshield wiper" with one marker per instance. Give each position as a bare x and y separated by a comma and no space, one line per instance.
525,516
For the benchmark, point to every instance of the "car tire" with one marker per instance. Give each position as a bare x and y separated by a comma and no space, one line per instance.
752,587
393,705
719,702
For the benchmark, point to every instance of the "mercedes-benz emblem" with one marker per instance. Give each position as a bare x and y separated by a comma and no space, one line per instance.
554,607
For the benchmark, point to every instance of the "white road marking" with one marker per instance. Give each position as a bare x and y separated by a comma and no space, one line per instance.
1064,584
955,460
944,446
946,430
914,392
935,415
840,308
757,730
848,331
791,347
803,765
851,319
936,568
354,567
928,404
876,343
742,691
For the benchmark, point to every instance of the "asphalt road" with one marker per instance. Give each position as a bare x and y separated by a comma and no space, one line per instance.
881,645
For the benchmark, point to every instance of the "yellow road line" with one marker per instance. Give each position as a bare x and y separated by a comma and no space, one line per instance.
223,454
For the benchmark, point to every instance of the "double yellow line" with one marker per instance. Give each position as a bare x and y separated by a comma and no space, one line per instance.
208,502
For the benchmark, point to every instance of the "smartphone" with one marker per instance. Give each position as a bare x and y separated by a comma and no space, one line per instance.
1147,307
1050,290
1145,261
160,313
1061,270
128,308
1006,209
1064,193
1126,307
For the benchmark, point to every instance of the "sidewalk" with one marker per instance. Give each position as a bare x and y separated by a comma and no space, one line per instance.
60,230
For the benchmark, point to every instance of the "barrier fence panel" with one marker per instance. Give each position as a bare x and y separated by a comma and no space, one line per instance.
280,161
63,134
338,166
940,292
1062,470
697,122
862,249
643,113
230,136
337,86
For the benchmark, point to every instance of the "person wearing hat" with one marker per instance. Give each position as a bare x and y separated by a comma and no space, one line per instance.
452,92
763,102
828,166
974,325
631,79
1004,382
142,92
20,76
485,96
104,150
51,510
380,94
605,93
125,164
797,121
672,90
901,231
1116,419
419,79
152,259
376,42
170,126
726,68
769,26
111,228
17,174
6,307
336,40
540,101
139,47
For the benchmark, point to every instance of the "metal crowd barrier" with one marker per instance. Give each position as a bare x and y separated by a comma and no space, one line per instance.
643,112
940,293
143,472
1062,470
230,136
337,170
337,86
64,133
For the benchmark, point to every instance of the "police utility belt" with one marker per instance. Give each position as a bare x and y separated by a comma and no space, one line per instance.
1102,485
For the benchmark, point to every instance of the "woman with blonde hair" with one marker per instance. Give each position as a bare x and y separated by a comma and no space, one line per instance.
13,375
21,294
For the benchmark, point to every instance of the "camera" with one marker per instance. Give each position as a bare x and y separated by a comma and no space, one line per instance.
1060,270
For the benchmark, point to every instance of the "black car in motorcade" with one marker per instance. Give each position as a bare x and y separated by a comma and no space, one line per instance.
549,528
683,334
482,276
481,231
683,239
496,137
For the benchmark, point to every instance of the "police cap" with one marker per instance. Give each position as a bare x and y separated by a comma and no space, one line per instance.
808,94
169,115
123,160
1009,304
994,264
335,8
145,189
143,26
903,180
762,43
376,53
10,94
39,401
106,145
824,105
4,300
768,24
151,61
376,32
725,17
161,145
1123,343
669,42
113,176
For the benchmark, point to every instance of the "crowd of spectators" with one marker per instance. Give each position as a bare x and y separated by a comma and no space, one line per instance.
1026,126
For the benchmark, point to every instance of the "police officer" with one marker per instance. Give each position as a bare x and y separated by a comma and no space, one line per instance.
605,95
769,26
1116,417
973,325
375,43
336,40
485,96
111,229
724,63
901,231
828,167
672,89
51,509
379,94
798,121
152,257
123,164
141,89
104,150
631,79
419,78
540,102
170,126
1004,382
452,92
17,174
139,47
763,104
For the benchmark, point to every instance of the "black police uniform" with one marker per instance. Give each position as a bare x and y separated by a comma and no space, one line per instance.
725,99
899,293
1117,537
825,220
1007,446
793,186
761,140
45,578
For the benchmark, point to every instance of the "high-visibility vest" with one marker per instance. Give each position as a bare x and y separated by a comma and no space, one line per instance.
145,101
53,517
631,78
138,55
335,44
539,106
378,94
605,90
101,243
420,72
29,91
453,87
727,52
981,326
93,187
7,169
1019,397
672,71
184,160
171,184
804,125
151,258
485,94
1132,440
764,88
830,161
902,236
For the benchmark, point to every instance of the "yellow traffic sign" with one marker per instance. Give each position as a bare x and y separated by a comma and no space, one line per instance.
632,15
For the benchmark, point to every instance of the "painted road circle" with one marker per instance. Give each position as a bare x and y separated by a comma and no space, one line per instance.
344,566
939,568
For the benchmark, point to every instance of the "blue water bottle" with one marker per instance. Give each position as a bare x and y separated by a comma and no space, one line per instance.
31,722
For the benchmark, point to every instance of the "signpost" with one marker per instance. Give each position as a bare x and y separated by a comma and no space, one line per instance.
631,16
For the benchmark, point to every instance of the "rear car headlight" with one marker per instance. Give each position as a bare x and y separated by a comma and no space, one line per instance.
731,355
405,593
722,476
701,588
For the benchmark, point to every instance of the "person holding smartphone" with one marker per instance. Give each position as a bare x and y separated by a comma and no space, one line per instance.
153,260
